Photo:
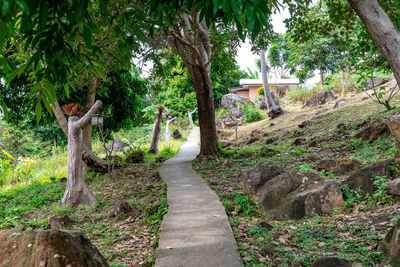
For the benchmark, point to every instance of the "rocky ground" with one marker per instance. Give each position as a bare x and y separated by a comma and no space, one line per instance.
349,148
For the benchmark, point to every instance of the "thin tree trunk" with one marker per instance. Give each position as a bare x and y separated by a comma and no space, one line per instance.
87,129
168,130
91,160
156,134
273,109
382,31
76,192
321,74
190,116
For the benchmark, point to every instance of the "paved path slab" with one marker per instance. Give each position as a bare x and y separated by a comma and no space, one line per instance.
196,230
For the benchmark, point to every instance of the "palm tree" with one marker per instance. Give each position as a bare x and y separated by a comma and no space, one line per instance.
273,109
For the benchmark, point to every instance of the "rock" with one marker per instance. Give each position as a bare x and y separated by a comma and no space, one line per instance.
63,180
393,123
256,133
161,159
362,177
371,83
249,141
271,124
323,153
303,124
320,111
299,141
59,221
262,105
265,225
116,145
135,156
371,130
48,248
331,262
225,121
345,165
292,195
323,199
271,140
281,133
225,143
338,103
230,102
338,166
121,207
176,134
256,177
390,245
319,99
394,187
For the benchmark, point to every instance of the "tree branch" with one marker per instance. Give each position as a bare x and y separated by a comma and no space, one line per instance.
85,119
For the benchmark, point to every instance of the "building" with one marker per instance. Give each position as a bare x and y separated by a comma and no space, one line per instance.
248,87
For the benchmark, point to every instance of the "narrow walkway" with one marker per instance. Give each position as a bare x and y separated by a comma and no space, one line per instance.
196,230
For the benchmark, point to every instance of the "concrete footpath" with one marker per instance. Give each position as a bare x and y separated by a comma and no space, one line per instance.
196,230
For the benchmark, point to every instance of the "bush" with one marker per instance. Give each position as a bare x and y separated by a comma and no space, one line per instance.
301,94
251,112
260,90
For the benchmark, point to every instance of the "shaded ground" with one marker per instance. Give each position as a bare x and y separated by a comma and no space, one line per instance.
345,132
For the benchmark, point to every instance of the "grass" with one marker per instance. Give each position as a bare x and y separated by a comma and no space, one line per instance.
123,240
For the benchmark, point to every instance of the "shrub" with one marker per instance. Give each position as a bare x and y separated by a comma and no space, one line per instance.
301,94
251,112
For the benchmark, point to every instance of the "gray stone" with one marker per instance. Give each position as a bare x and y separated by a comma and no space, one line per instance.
319,99
59,221
256,177
362,178
339,103
390,245
48,248
331,262
230,102
375,82
116,145
394,187
292,195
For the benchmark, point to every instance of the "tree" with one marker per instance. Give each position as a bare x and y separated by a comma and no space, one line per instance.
273,109
76,191
153,149
278,56
193,26
382,30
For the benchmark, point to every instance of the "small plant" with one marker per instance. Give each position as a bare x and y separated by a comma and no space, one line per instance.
380,194
352,196
305,168
329,174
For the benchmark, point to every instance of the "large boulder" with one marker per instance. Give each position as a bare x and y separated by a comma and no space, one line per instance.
371,83
116,145
394,187
331,262
338,166
319,99
256,177
230,102
293,195
225,121
390,245
48,248
286,194
363,177
393,123
370,130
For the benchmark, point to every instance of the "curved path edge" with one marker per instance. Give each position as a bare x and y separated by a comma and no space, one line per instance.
196,230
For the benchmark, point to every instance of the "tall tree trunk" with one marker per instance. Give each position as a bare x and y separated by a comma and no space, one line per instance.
382,31
156,134
321,74
273,109
76,192
191,39
91,160
87,129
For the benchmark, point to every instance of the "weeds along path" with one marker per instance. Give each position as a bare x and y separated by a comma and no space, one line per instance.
196,230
